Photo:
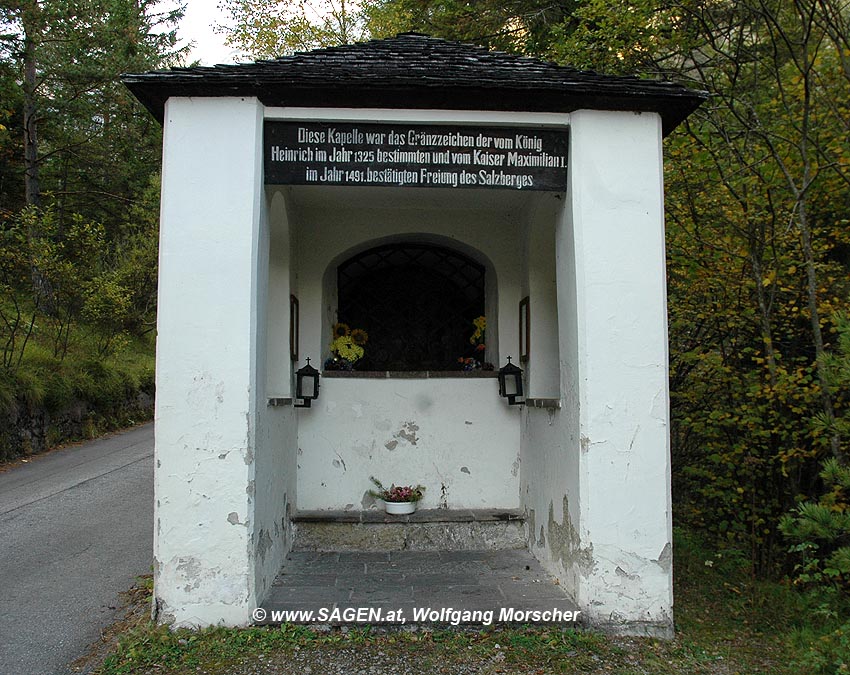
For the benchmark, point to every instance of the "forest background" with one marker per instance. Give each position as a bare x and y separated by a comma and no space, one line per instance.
757,186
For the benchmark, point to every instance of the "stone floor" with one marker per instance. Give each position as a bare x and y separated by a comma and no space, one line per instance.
416,587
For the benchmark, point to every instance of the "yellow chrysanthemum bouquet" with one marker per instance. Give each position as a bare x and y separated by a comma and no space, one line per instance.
347,347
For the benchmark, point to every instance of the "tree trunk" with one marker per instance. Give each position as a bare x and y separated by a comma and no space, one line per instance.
817,334
31,17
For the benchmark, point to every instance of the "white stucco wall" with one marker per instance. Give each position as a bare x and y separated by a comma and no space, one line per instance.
276,436
614,550
281,284
209,300
550,437
541,369
277,426
549,491
274,492
469,438
454,436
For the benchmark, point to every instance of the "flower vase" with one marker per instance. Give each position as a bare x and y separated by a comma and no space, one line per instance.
400,508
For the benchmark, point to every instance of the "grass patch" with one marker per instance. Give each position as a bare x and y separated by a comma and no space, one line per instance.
149,649
217,651
727,623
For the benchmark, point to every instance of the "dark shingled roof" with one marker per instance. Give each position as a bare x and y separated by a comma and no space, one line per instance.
418,71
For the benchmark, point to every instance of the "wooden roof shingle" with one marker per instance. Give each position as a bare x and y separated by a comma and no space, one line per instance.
413,70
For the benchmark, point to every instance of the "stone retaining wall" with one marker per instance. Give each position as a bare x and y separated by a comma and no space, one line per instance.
27,430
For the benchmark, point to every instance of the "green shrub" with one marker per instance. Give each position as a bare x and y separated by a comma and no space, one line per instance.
824,654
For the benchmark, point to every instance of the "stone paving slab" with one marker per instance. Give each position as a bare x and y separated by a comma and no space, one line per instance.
403,588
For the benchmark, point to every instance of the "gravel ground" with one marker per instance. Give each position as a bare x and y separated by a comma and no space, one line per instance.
368,661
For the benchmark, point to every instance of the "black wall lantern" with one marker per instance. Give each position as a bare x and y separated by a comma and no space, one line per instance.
306,385
510,383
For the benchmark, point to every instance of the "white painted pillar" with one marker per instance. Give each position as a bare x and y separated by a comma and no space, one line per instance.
206,360
617,218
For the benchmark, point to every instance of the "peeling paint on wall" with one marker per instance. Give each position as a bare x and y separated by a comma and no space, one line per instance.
622,573
233,518
565,543
465,470
264,544
162,614
665,558
189,569
408,432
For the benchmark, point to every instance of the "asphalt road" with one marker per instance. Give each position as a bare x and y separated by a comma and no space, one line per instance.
76,529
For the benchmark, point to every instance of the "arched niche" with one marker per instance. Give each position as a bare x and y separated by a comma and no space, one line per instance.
410,266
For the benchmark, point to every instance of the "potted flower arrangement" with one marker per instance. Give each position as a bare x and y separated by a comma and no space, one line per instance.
347,347
398,499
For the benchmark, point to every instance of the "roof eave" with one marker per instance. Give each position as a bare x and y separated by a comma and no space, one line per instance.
153,91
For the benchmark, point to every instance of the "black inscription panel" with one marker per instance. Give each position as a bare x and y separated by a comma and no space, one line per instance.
400,155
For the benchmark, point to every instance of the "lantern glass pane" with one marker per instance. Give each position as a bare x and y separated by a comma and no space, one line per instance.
510,385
